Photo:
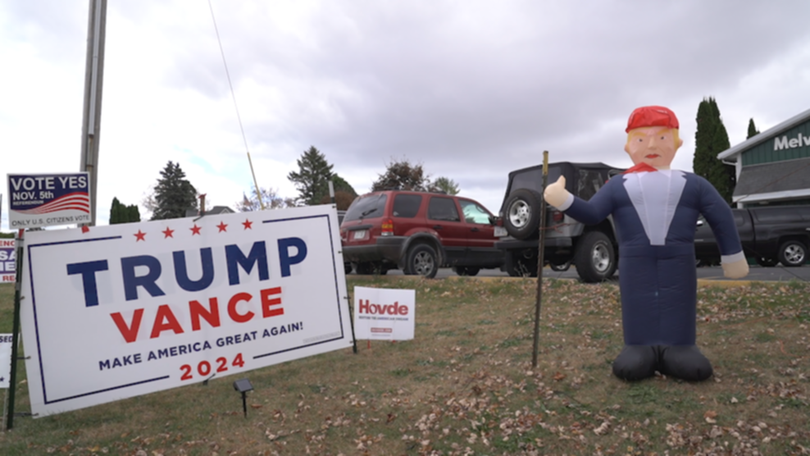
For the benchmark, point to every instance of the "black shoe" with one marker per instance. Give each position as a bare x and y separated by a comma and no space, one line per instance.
685,362
636,362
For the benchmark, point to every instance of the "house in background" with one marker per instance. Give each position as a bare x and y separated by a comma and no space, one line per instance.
773,167
213,211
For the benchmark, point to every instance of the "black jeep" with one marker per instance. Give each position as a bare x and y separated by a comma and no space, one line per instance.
591,248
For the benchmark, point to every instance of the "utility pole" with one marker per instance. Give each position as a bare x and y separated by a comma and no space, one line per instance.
94,76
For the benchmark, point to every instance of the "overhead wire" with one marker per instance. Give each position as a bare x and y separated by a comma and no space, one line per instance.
236,107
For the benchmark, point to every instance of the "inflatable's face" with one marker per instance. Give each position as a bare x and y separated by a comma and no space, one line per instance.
655,146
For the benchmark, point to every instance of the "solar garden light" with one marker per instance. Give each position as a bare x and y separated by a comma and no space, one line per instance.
243,386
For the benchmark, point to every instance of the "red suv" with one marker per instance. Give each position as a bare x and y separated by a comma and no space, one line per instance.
418,232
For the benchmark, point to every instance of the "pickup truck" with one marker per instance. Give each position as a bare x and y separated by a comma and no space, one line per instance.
591,248
769,234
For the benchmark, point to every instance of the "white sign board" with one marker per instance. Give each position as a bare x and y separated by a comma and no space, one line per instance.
384,314
5,359
37,200
124,310
8,261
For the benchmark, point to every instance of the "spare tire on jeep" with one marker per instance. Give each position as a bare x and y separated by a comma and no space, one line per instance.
522,216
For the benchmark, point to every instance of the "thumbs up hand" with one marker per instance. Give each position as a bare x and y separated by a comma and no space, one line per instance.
556,194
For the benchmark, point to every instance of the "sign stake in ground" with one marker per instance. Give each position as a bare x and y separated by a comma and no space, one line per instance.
15,331
540,261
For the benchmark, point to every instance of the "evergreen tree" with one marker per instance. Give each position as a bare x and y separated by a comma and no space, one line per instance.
174,194
444,184
133,213
120,213
752,130
115,212
711,138
312,176
403,176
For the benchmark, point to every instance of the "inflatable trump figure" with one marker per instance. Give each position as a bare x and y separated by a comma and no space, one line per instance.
655,210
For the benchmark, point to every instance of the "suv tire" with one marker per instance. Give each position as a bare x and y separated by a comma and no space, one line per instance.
792,253
522,216
595,258
422,260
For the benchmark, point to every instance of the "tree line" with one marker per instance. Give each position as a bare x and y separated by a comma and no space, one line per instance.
173,196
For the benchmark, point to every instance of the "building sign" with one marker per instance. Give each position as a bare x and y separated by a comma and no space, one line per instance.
786,142
124,310
384,314
8,261
37,200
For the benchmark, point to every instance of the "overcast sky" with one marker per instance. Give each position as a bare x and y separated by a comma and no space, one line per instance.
468,89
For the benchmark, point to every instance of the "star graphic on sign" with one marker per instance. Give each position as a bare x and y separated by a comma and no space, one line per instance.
140,236
222,226
167,233
85,229
247,224
195,229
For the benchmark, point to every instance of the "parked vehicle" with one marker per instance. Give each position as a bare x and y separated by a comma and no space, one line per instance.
769,234
418,232
347,265
591,248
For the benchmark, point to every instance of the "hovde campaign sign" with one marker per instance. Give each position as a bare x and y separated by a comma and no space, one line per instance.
8,261
384,314
37,200
123,310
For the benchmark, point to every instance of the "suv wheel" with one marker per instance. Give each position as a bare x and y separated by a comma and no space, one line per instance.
522,217
792,253
594,257
422,260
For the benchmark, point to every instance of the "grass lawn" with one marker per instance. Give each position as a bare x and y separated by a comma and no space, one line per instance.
465,385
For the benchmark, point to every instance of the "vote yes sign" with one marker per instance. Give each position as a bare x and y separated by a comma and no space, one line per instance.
123,310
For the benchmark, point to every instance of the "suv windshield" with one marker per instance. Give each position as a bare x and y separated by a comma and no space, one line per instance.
366,207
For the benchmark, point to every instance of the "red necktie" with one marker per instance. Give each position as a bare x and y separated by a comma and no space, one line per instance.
641,167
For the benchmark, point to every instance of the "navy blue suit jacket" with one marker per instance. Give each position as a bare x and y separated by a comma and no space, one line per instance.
658,283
